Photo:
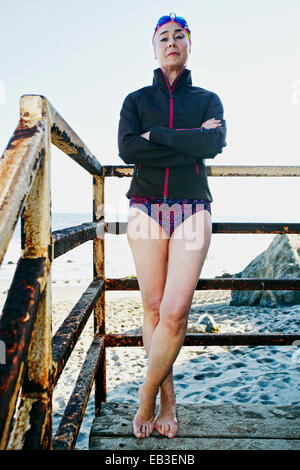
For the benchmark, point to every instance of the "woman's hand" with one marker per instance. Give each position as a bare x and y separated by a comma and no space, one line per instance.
212,123
146,135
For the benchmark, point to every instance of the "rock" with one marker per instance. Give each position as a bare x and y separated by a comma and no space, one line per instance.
205,324
195,328
280,260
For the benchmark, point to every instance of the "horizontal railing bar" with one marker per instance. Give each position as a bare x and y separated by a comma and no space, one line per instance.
66,435
119,228
117,170
65,339
219,170
253,170
16,326
211,339
18,167
63,136
68,238
255,227
227,283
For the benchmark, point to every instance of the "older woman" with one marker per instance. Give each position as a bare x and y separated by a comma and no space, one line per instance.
168,130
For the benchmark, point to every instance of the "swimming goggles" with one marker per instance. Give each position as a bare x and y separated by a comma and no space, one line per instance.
172,17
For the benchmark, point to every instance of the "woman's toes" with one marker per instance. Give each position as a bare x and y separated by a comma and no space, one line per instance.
172,431
151,427
137,432
167,428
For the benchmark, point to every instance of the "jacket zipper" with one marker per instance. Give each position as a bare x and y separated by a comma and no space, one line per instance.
171,125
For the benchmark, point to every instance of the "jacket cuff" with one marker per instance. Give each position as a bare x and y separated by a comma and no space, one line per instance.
154,134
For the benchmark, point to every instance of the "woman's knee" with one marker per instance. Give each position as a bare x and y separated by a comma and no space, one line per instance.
152,308
174,315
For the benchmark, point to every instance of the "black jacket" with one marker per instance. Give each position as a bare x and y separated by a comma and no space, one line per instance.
172,163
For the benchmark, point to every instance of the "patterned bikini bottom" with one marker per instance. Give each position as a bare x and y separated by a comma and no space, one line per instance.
170,213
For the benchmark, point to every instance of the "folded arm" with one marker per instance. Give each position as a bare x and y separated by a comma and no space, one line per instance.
197,142
135,149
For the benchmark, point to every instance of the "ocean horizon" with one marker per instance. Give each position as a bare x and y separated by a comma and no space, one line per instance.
229,253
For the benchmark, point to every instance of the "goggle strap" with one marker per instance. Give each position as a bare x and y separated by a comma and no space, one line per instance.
158,27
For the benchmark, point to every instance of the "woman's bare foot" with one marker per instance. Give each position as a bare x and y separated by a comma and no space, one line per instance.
165,420
143,422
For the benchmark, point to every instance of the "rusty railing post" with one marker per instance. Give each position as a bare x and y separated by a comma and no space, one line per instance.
99,272
33,425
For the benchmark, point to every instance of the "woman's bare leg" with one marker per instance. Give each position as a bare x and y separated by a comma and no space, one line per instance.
186,258
150,254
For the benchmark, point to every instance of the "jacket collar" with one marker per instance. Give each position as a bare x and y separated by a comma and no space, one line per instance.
184,78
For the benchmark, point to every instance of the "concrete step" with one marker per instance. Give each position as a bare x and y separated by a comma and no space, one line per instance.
204,427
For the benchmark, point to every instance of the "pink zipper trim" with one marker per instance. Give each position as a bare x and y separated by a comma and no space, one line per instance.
171,111
171,123
166,182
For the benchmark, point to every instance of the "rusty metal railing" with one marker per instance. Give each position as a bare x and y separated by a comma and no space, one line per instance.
34,362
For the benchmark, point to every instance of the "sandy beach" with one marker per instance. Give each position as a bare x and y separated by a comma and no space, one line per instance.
264,375
261,375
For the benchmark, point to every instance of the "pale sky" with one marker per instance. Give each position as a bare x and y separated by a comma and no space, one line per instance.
85,57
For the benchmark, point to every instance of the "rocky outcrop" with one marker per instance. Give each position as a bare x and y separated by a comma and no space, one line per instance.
280,260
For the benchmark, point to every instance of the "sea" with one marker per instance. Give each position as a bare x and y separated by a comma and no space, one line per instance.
228,253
